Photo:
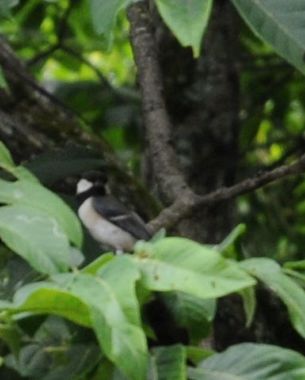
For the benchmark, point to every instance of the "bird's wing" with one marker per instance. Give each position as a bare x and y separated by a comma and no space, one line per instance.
113,210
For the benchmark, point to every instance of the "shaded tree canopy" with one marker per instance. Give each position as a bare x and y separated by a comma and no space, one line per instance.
195,109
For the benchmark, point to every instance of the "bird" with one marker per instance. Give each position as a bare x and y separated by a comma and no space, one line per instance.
106,218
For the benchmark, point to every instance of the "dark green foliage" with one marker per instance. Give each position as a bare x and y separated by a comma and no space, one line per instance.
68,317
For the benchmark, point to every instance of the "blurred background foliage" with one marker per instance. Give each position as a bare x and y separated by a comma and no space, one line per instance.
93,77
272,133
97,80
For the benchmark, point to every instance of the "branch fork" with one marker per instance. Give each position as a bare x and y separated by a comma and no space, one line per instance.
180,197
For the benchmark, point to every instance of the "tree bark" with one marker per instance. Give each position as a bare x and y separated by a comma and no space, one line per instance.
203,100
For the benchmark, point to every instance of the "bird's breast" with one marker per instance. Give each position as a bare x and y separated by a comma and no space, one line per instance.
102,230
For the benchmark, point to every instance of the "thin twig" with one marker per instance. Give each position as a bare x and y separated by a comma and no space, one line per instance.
60,45
42,55
61,34
82,59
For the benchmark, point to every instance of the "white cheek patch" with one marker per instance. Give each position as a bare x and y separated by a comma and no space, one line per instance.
83,185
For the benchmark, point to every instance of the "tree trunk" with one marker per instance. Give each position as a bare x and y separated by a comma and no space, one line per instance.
203,100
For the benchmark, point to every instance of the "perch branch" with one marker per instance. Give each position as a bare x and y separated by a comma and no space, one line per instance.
187,204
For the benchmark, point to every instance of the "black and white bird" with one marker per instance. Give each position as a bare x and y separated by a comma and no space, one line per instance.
108,220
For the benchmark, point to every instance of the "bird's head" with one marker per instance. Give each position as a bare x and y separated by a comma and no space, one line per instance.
92,183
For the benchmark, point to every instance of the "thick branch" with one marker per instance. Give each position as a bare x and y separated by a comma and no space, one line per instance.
187,204
156,119
32,120
27,97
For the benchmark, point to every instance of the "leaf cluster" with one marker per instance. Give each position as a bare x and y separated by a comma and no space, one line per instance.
108,297
67,320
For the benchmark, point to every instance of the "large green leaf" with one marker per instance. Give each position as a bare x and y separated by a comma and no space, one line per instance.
187,19
122,342
249,361
35,195
177,264
280,23
36,237
269,272
48,298
103,13
121,274
169,363
90,301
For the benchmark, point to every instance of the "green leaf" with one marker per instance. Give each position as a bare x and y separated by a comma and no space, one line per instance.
196,354
191,312
48,298
296,275
29,362
5,7
228,246
98,263
36,196
11,335
76,258
104,12
3,82
187,19
104,371
89,301
269,272
170,362
53,354
161,234
75,362
250,361
55,341
5,156
177,264
36,237
21,173
7,163
249,303
280,23
121,274
295,265
122,342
